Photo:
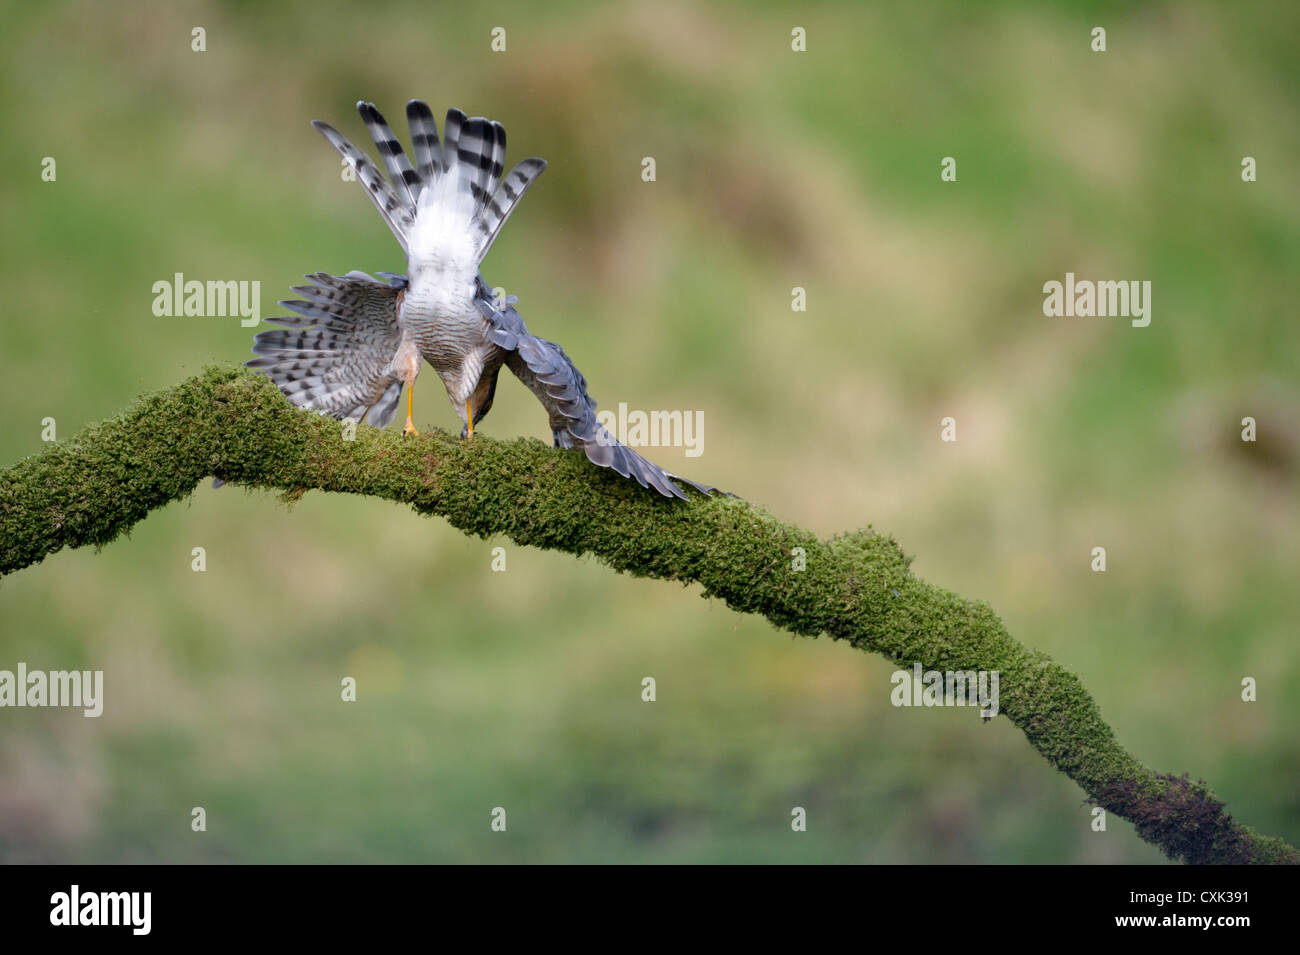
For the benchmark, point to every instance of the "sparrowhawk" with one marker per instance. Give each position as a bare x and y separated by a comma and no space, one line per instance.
356,341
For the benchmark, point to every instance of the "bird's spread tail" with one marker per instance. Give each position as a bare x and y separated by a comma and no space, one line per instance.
451,203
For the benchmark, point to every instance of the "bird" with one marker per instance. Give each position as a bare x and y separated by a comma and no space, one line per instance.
356,341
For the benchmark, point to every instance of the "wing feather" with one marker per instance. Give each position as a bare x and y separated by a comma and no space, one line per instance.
335,356
550,374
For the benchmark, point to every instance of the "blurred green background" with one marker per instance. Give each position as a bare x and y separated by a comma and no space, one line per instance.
775,169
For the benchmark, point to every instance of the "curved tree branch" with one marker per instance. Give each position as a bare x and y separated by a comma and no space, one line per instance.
857,587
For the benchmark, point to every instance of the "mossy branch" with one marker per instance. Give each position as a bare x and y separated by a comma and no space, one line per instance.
857,587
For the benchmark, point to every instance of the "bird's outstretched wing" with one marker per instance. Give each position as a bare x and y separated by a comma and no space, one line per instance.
335,354
551,375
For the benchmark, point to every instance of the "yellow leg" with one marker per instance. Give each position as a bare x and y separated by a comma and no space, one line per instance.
410,404
469,420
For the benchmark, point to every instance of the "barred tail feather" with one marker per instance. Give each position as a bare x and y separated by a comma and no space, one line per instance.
396,213
424,140
406,181
497,210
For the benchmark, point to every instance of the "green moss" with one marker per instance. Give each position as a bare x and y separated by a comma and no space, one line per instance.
855,587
